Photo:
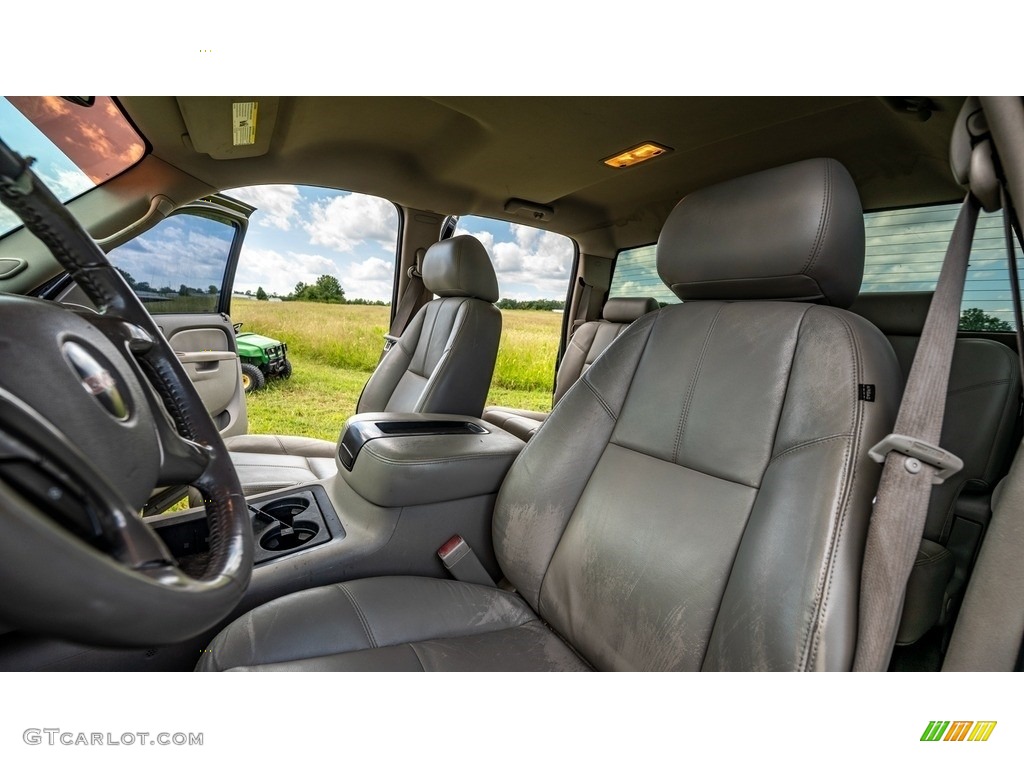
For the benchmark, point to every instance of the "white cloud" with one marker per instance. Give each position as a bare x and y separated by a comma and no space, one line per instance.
347,221
369,279
278,272
275,203
65,184
538,261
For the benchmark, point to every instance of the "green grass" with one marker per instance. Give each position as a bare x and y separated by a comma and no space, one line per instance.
334,348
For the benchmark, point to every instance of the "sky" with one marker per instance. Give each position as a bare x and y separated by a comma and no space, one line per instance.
299,233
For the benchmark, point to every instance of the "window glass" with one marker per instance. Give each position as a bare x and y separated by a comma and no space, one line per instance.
636,274
75,147
178,265
302,237
905,249
533,268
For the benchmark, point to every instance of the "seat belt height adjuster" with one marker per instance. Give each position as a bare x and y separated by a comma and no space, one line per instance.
918,452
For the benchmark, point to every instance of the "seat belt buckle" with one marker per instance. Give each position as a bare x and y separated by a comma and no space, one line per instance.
918,452
462,562
389,342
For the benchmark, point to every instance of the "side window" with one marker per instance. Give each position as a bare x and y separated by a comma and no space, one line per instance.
905,249
317,245
178,265
533,268
636,274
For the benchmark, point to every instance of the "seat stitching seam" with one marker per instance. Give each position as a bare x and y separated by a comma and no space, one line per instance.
693,384
635,329
929,559
445,362
415,653
683,466
980,385
359,613
757,488
599,398
823,218
849,480
809,443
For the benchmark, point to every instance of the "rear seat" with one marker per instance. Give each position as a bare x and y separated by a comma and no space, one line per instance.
589,341
982,405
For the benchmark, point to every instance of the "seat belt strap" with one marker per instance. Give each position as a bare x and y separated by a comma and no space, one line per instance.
414,294
583,307
913,461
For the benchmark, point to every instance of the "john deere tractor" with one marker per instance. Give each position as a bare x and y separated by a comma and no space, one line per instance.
261,358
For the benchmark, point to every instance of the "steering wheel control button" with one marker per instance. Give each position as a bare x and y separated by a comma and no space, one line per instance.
96,379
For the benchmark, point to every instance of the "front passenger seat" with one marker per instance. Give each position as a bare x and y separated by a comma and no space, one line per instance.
698,501
442,364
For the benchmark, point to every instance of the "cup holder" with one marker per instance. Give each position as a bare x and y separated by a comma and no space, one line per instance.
285,537
287,524
286,510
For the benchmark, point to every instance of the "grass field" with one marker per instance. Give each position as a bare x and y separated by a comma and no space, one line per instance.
334,349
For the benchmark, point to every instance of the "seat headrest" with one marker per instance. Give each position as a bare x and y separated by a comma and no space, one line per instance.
628,309
793,233
460,266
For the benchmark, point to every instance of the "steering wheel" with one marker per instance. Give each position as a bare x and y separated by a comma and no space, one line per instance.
95,413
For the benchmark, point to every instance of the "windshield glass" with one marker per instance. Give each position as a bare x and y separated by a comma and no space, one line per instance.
75,147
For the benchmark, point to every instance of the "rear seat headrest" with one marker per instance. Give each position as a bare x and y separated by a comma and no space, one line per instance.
628,309
460,266
794,233
894,314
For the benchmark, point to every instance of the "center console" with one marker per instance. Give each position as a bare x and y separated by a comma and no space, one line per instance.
406,483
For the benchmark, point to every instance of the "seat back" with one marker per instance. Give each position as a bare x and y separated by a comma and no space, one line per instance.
444,360
700,500
593,338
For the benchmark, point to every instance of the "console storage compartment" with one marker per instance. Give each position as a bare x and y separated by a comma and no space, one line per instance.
401,460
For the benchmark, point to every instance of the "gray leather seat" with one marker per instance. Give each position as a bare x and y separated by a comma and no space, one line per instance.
982,402
589,341
699,501
442,364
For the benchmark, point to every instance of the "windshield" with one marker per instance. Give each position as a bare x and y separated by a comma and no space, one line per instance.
76,147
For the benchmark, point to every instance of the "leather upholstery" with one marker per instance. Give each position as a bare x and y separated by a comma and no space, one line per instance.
699,500
460,266
589,341
409,470
269,462
698,524
626,309
392,623
926,591
804,243
442,363
517,421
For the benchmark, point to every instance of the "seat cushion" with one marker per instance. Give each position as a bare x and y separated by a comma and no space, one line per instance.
523,424
394,623
269,462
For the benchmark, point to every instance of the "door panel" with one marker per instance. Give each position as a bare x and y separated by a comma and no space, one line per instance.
205,345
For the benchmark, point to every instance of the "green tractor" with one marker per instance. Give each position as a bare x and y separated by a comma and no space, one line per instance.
261,358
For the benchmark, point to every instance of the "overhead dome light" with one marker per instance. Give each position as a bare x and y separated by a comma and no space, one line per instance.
638,154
